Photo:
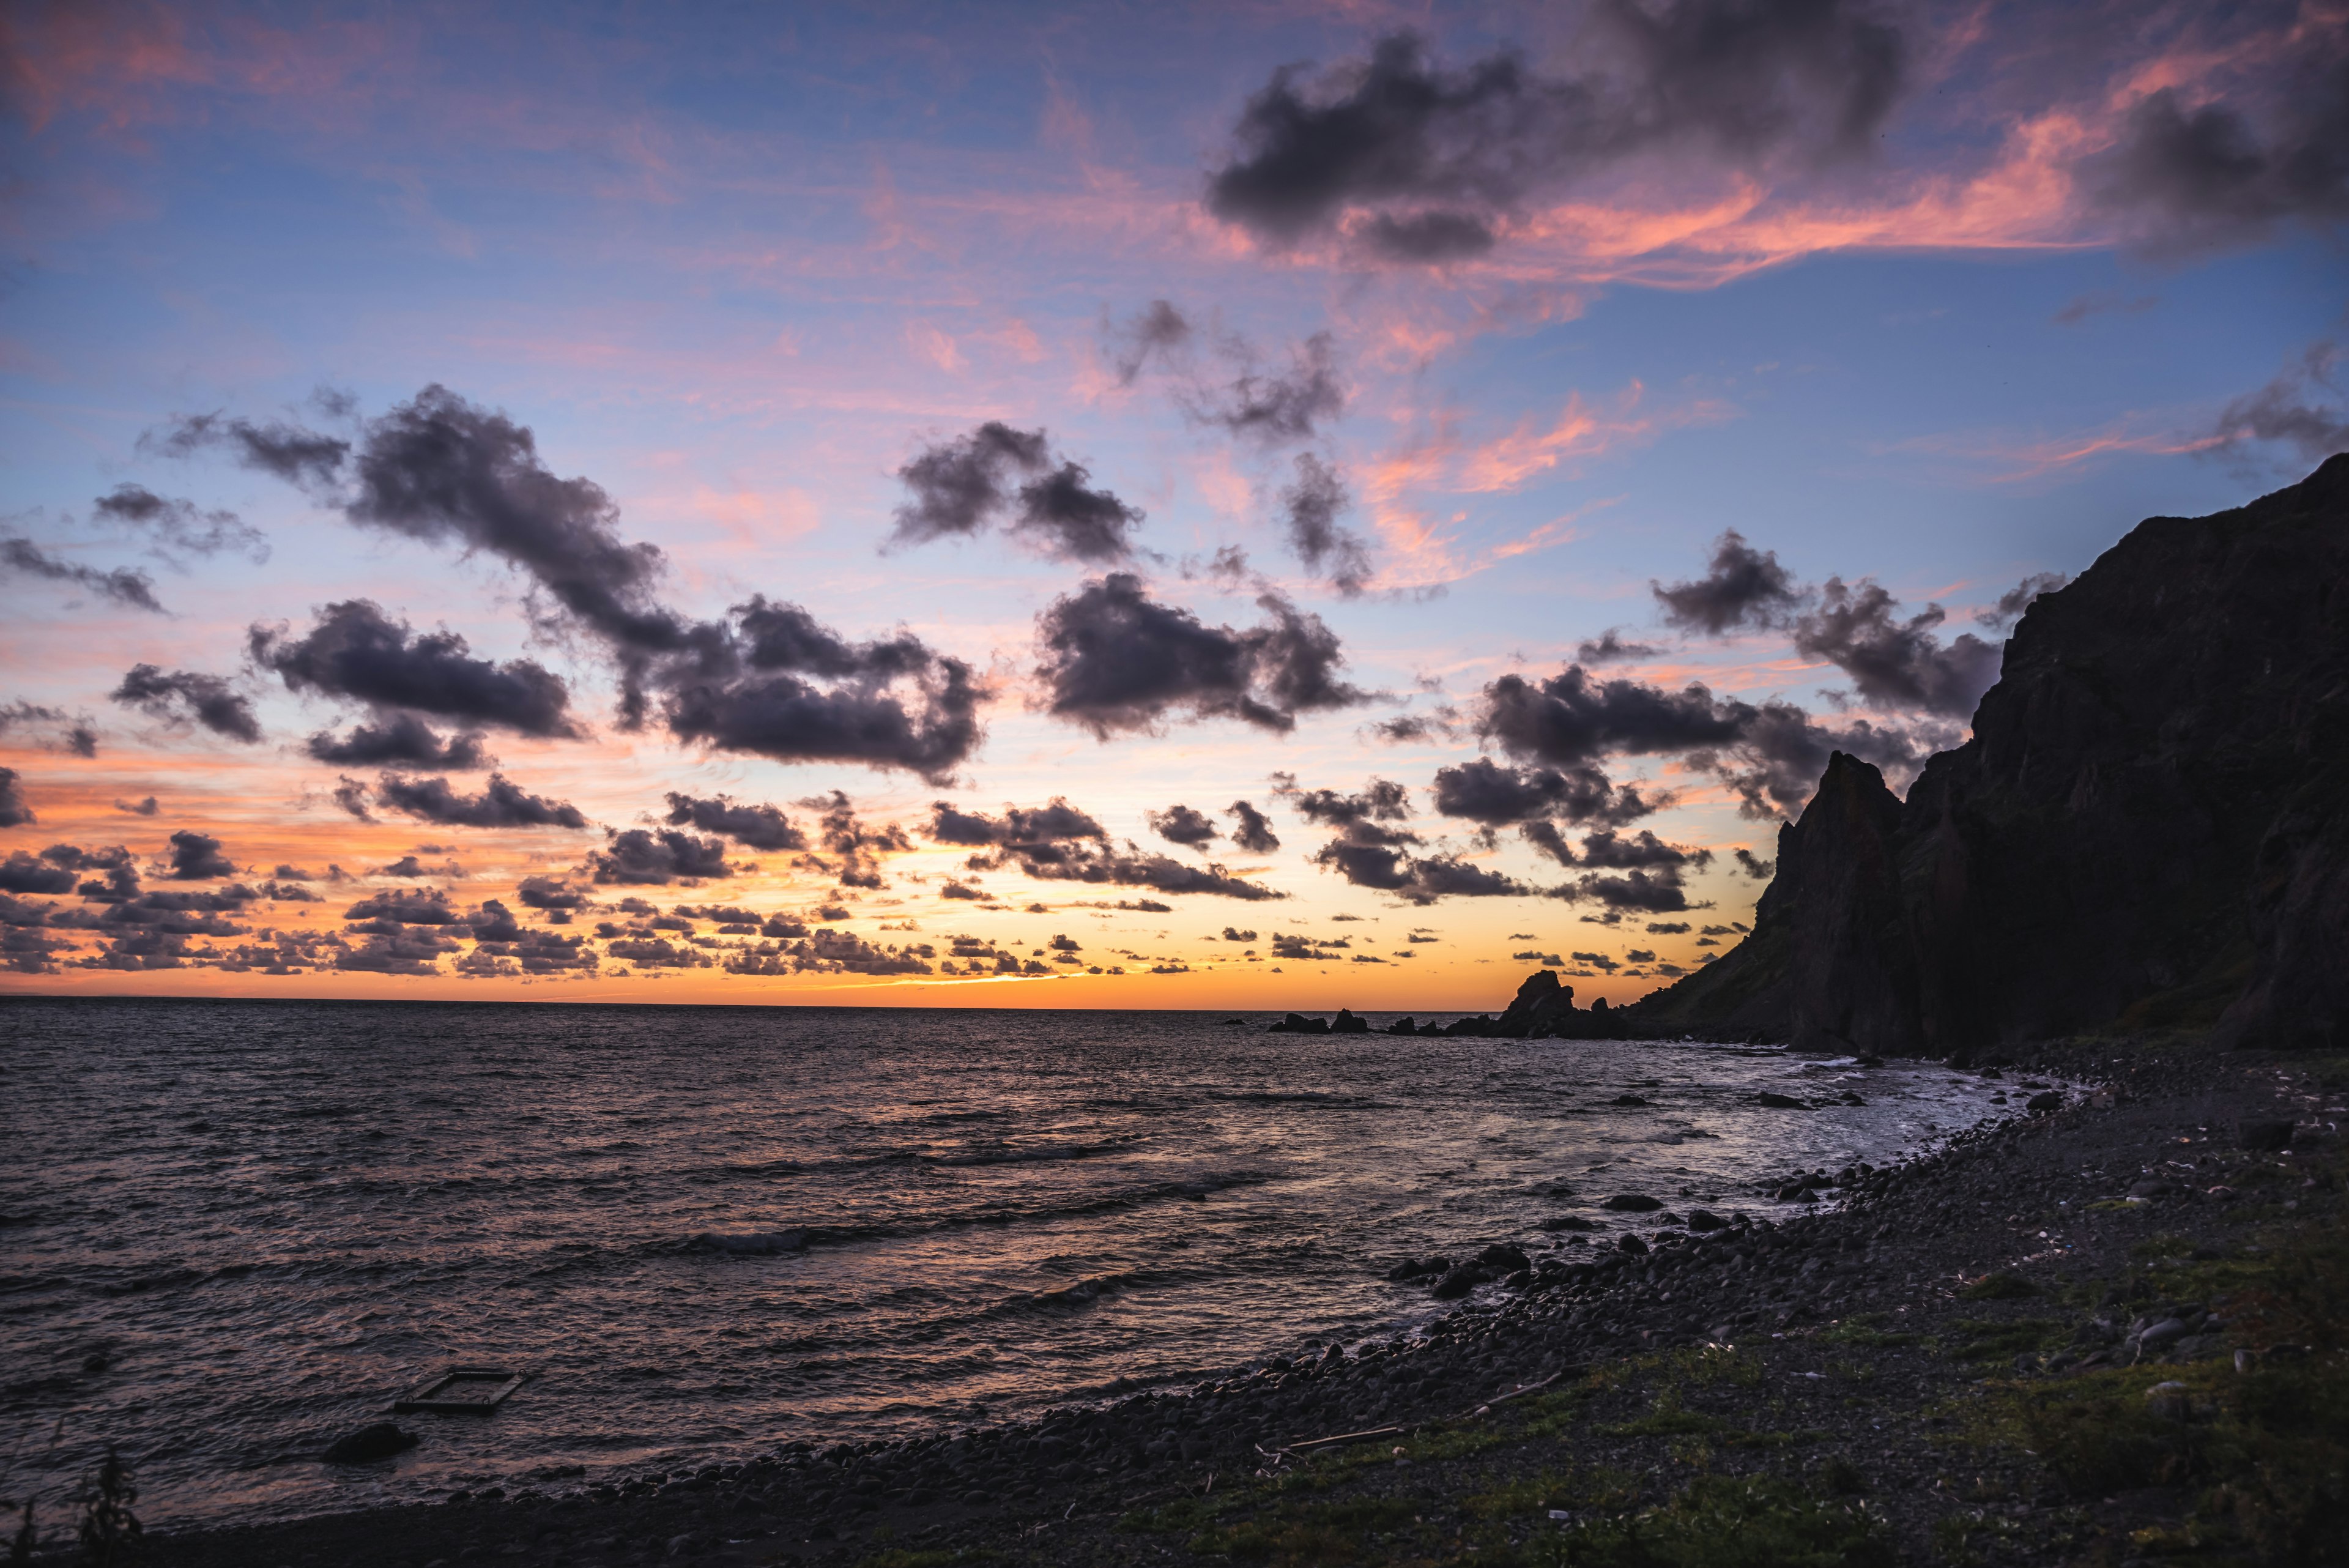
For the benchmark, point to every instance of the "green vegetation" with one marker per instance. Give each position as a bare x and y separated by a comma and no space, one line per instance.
1976,1339
2263,1453
966,1558
2005,1285
1721,1522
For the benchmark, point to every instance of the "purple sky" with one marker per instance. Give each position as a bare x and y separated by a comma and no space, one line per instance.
661,503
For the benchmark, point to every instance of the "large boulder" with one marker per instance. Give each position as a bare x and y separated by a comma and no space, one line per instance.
1541,1003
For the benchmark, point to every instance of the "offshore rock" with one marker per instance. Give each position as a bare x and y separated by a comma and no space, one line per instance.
2150,827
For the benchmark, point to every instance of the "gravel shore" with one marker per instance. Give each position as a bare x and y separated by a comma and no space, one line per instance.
1848,1355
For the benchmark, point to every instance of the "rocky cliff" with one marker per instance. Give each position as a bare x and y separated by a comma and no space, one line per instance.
2150,827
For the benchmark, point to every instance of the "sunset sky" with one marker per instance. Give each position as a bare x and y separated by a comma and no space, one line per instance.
1219,506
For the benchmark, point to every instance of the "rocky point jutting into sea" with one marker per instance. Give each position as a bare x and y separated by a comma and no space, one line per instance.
2107,1327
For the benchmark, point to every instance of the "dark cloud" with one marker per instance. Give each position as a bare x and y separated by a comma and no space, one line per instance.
144,807
179,527
1369,856
1610,648
760,826
1254,832
1654,892
552,893
2018,598
1234,934
1608,848
351,795
954,889
285,953
123,585
1285,406
358,653
402,951
638,857
399,740
1569,720
1181,824
1742,587
1154,332
962,486
24,951
1114,659
1781,750
407,905
527,953
25,872
444,470
1420,163
501,804
1439,723
1058,843
1754,866
928,730
15,812
410,866
1311,507
441,470
1072,520
72,733
958,487
830,951
289,451
1369,852
196,857
1895,662
1032,831
183,694
785,638
2302,407
2194,177
1668,927
857,843
493,922
1493,795
1383,800
1430,238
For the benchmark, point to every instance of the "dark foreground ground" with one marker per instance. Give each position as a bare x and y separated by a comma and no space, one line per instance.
2108,1333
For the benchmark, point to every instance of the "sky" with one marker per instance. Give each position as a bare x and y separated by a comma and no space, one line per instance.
1227,506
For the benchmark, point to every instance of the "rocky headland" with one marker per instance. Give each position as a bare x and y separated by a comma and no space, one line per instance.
2107,1329
2148,829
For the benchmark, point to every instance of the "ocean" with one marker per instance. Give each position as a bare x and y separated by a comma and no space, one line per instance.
229,1232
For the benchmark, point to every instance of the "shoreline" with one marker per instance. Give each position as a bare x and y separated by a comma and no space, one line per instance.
1888,1264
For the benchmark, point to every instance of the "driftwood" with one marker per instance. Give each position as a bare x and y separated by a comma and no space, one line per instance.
1305,1446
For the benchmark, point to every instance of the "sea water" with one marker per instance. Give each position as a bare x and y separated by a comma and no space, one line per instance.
229,1232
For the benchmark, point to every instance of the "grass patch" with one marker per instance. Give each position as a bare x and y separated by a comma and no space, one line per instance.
1870,1338
1610,1491
1181,1517
1711,1366
1669,1421
2262,1457
1327,1532
1722,1523
1977,1339
2005,1285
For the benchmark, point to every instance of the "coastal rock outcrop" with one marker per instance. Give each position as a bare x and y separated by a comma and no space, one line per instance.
2149,828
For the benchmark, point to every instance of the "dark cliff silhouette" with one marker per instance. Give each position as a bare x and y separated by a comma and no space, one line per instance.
2150,827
